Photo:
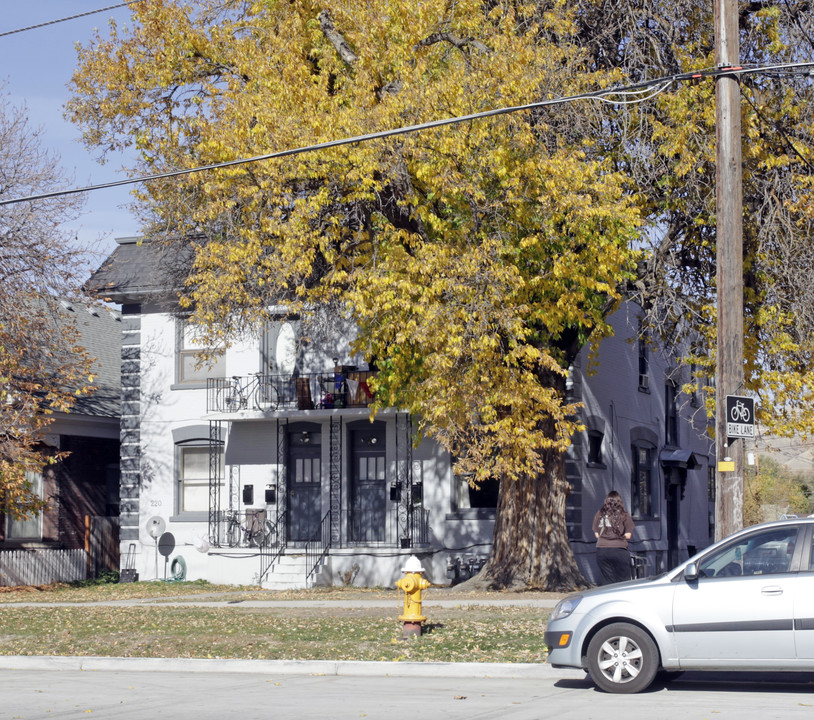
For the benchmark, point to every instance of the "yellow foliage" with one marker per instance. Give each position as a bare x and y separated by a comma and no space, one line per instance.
475,259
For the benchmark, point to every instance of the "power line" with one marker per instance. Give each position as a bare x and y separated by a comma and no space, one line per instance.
70,17
646,90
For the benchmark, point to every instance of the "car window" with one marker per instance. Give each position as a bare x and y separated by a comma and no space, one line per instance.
766,552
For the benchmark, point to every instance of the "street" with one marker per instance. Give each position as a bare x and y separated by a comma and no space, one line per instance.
70,694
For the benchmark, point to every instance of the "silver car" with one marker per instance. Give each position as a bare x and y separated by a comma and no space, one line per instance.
745,603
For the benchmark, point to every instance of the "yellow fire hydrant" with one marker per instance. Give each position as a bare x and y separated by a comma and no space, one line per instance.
412,584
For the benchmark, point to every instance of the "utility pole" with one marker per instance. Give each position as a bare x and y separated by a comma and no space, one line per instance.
729,234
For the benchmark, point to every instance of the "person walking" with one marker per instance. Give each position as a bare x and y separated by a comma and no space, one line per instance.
613,527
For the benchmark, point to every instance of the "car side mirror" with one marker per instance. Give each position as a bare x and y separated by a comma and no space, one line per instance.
691,571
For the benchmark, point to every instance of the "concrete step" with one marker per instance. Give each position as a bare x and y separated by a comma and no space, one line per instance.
288,573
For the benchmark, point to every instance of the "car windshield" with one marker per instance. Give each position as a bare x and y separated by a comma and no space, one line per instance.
761,553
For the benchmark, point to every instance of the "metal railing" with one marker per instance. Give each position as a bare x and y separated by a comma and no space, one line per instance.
317,547
368,529
258,392
274,545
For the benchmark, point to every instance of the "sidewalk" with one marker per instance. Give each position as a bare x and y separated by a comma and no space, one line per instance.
547,603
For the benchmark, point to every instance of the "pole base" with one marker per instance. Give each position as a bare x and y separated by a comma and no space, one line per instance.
411,630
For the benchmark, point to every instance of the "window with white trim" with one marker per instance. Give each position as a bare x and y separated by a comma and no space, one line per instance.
30,528
189,369
192,474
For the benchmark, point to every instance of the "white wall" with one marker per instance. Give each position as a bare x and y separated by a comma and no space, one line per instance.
610,394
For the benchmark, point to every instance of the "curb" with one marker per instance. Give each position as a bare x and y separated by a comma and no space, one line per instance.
285,667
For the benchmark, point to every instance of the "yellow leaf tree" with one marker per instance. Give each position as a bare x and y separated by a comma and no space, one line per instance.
476,260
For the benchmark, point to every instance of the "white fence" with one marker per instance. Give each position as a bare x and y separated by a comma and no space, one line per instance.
42,567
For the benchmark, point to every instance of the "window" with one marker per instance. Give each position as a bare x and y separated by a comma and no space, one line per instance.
595,439
641,495
768,552
31,528
671,414
644,362
280,347
467,497
189,371
192,473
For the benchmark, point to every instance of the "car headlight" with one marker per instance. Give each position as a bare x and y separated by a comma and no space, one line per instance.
565,607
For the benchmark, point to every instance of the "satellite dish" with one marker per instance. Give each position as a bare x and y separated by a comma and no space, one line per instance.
156,526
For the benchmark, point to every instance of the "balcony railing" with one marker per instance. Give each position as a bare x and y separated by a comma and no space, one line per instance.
259,392
267,531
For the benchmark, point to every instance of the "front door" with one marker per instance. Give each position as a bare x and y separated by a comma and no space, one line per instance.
304,484
368,484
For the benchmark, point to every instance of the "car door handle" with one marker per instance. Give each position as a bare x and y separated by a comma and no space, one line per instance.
771,590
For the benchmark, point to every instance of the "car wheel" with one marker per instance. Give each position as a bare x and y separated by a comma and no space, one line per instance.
622,658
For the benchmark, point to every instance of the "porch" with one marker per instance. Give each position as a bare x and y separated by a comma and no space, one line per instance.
270,559
308,474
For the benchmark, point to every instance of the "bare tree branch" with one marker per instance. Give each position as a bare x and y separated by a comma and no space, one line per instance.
460,43
335,38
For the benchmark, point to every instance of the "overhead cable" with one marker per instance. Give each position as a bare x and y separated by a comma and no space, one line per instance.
647,88
70,17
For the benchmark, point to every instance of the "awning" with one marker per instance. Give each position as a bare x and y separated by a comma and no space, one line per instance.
679,458
251,443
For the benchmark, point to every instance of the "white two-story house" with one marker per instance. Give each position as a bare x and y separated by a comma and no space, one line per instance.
265,467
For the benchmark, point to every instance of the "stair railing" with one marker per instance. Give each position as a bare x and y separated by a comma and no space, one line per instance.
273,546
317,547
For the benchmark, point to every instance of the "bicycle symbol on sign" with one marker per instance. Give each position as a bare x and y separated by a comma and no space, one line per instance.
739,412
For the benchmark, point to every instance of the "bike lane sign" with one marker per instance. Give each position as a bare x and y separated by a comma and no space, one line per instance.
740,416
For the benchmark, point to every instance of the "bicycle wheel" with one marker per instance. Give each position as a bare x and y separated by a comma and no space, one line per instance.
233,534
263,534
265,394
226,400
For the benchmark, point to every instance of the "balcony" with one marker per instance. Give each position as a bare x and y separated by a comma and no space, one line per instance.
279,393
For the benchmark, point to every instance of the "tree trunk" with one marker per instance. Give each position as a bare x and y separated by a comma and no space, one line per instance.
530,548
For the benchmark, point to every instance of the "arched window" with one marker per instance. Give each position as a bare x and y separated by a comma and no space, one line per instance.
192,470
643,491
596,438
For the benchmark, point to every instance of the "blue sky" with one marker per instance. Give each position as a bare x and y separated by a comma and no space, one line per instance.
36,66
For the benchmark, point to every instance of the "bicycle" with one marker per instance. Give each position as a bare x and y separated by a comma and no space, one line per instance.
255,533
740,413
235,394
